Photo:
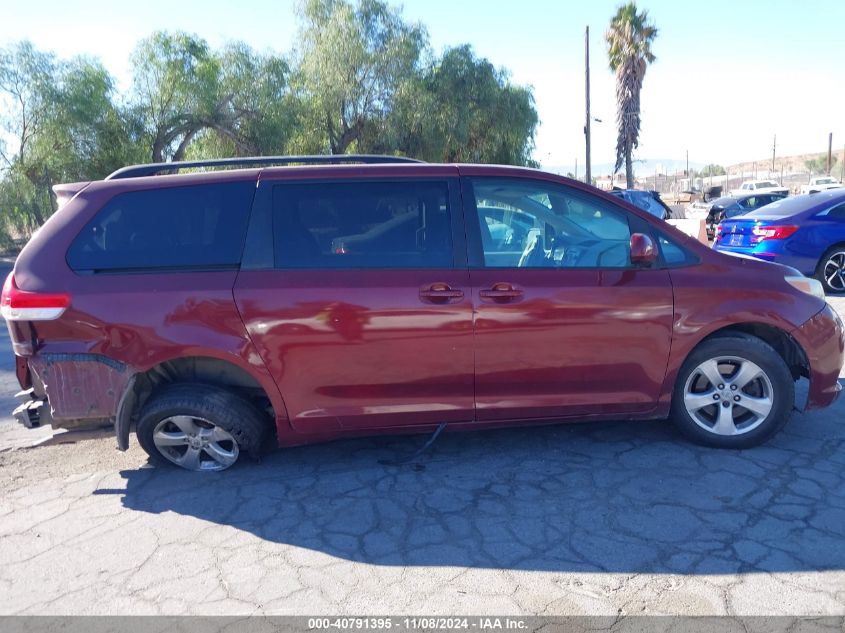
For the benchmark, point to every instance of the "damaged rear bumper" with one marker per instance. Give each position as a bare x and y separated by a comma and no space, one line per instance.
72,391
33,412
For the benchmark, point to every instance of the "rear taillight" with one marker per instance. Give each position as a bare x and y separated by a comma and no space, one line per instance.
19,305
762,233
718,234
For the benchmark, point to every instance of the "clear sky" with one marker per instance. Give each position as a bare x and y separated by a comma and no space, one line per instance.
729,75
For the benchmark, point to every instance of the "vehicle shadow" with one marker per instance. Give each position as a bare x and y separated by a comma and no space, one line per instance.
613,497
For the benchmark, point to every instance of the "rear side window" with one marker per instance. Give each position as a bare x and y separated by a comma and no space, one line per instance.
837,212
201,226
362,225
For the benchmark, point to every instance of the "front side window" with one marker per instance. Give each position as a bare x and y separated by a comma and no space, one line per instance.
540,225
362,225
200,226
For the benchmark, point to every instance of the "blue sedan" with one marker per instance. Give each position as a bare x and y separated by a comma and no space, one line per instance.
805,232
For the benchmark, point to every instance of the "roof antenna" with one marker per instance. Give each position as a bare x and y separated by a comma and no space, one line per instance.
419,451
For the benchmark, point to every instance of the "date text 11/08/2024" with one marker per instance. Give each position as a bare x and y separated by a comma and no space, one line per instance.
483,623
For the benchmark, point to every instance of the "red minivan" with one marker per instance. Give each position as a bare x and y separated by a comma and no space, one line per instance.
338,296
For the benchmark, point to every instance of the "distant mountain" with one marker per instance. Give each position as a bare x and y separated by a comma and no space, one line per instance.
642,167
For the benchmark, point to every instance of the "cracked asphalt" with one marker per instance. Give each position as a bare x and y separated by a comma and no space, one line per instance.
593,519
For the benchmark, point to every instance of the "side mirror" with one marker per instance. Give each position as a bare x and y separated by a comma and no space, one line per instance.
643,250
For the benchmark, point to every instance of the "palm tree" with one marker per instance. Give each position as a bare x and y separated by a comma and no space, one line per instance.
629,41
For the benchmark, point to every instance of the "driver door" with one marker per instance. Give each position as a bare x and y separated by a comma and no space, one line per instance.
564,324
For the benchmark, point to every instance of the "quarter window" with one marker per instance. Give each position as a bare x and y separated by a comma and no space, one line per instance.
672,253
837,212
539,225
362,225
201,226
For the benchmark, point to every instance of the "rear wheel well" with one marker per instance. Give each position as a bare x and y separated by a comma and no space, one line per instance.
202,370
823,256
786,346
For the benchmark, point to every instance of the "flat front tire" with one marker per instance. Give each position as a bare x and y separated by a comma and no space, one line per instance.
199,427
733,392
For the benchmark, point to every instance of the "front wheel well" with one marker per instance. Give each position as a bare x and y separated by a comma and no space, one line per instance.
786,346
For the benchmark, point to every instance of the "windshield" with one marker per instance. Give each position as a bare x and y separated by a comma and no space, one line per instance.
825,181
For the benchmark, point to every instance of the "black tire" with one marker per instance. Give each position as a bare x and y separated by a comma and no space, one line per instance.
745,348
820,269
214,405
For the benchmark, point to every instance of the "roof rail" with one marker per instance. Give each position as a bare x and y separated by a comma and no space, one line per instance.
151,169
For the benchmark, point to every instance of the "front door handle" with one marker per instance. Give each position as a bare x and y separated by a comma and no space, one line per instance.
440,293
501,293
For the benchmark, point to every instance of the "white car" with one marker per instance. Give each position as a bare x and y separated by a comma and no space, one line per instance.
760,186
698,210
820,183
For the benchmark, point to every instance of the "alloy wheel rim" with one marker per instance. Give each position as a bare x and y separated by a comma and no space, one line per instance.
195,443
728,396
834,271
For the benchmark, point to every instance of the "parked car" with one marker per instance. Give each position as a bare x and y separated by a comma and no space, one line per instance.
698,210
649,201
806,232
210,310
760,186
820,183
733,206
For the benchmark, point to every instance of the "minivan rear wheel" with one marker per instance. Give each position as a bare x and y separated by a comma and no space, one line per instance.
199,427
831,270
733,392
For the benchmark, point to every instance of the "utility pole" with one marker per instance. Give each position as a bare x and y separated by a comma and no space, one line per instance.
588,177
829,152
774,145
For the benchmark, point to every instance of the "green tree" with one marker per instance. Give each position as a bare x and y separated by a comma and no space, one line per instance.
712,170
629,41
63,126
27,78
176,92
353,60
363,80
259,113
465,110
818,165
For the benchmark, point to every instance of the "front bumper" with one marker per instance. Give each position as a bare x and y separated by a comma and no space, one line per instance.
823,341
